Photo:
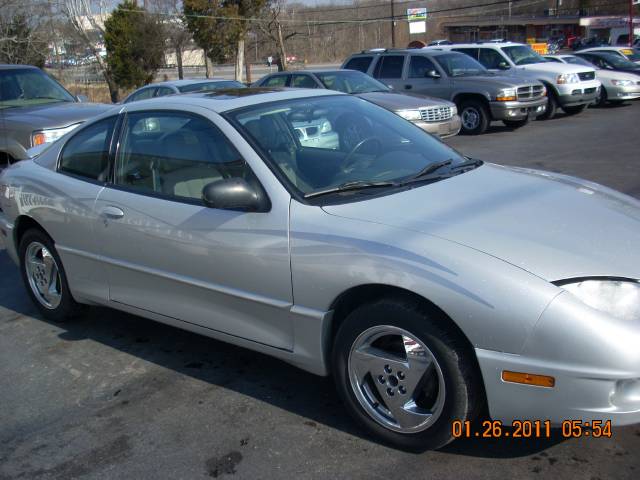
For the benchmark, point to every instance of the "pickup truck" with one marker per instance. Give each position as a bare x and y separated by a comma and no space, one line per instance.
570,87
480,96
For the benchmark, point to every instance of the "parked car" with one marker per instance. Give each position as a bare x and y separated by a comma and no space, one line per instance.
436,116
610,61
632,54
570,87
439,42
428,284
172,87
616,86
36,109
479,95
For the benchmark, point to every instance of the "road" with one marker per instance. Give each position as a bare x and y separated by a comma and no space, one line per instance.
116,396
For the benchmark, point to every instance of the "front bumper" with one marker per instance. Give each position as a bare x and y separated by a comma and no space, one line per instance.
518,110
445,129
574,94
594,359
630,92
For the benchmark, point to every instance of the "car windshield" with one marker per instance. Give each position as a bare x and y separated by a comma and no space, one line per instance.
523,55
27,87
321,143
459,65
208,86
579,61
619,61
350,82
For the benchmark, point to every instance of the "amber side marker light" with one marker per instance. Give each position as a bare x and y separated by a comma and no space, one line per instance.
528,379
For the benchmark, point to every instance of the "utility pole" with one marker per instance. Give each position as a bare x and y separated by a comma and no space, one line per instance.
393,27
631,23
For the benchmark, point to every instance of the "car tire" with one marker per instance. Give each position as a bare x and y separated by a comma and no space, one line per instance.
44,277
552,106
450,388
575,110
516,123
603,98
474,116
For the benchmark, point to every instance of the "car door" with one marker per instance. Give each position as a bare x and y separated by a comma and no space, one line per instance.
167,253
418,81
83,166
389,70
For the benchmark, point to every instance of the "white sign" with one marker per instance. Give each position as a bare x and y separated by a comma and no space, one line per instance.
417,27
269,60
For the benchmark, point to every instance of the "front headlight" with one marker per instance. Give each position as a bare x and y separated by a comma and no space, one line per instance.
454,110
618,298
50,135
568,78
622,83
507,95
411,115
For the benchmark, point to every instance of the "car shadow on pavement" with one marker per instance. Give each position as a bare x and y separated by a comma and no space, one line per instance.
220,364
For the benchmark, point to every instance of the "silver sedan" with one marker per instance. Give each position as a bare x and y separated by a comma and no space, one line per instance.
425,282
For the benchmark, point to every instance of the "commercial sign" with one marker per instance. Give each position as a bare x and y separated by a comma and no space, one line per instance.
540,48
416,14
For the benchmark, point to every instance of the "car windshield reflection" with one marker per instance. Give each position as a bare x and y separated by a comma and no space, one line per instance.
325,142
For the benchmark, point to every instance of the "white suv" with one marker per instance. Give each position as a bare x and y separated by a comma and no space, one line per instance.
570,87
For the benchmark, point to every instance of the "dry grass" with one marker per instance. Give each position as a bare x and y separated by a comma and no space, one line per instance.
95,92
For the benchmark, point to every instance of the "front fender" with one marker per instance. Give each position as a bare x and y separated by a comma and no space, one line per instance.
494,303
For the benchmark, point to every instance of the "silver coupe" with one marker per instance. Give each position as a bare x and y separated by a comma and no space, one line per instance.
426,283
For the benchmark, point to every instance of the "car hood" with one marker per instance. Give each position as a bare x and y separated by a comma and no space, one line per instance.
492,80
553,226
396,101
54,115
554,67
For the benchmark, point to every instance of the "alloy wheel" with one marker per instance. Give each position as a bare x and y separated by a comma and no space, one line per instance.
396,379
43,275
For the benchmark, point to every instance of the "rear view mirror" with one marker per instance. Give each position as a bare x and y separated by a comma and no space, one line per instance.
432,74
235,194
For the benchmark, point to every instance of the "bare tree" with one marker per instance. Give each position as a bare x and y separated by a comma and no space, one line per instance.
273,29
87,19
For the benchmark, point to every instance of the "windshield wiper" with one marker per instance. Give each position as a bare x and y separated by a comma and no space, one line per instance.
345,187
427,172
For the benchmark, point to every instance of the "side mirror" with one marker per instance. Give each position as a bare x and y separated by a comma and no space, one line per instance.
82,98
432,74
235,194
390,87
503,66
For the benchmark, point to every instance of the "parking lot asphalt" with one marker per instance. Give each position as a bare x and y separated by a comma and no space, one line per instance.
111,395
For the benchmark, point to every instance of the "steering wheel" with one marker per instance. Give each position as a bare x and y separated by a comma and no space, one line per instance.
348,162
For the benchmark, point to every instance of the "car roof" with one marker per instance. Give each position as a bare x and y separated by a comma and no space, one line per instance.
609,48
188,81
435,51
225,100
6,66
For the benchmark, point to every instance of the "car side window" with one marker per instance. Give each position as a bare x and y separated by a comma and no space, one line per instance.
141,95
359,63
389,66
174,154
86,154
490,58
472,52
419,65
303,81
276,81
163,91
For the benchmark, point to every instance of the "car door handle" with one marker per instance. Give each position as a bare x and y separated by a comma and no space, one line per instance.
112,212
408,87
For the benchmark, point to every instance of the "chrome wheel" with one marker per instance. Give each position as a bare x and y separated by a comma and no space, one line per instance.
396,379
470,118
43,275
